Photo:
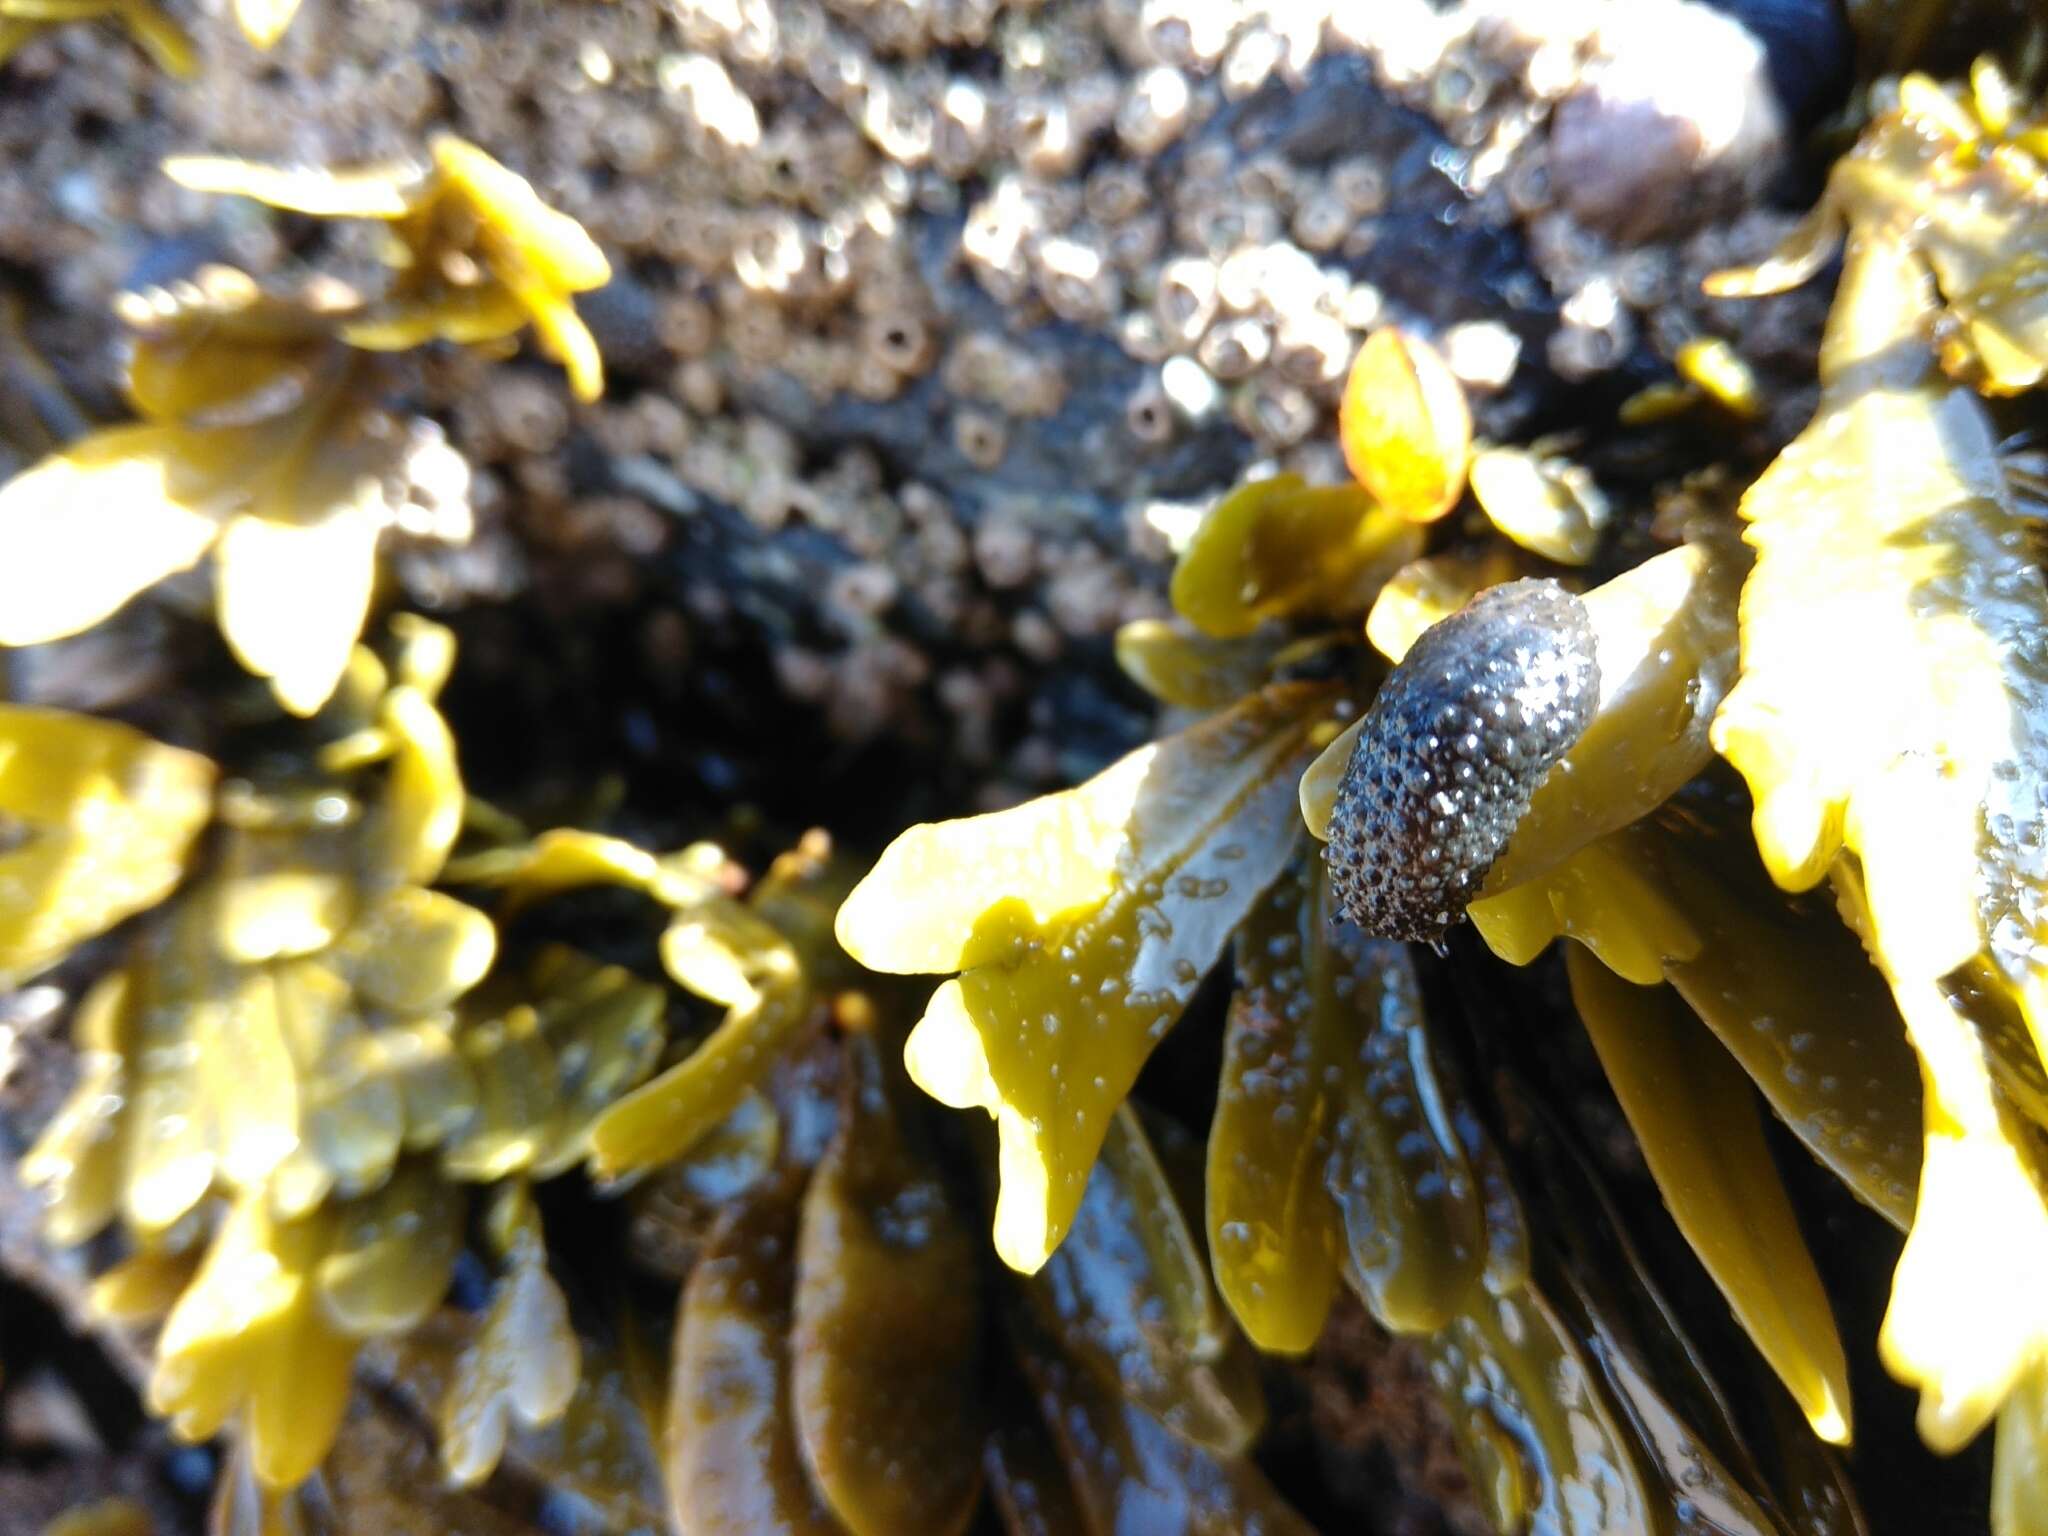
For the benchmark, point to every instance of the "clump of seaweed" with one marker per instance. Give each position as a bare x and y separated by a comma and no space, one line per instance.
1348,1145
1919,796
476,256
310,1054
268,439
834,1320
1079,924
835,1338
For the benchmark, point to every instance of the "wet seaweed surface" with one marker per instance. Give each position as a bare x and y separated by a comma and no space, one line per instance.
1063,768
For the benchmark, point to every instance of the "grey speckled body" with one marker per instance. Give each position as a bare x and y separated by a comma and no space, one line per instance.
1457,740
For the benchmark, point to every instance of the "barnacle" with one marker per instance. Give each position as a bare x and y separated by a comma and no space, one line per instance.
154,31
476,255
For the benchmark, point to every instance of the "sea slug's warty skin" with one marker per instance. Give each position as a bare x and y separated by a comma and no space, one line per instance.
1458,739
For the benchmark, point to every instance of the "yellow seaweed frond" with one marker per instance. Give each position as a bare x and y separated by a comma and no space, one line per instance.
263,22
97,822
1079,924
262,443
1953,180
153,30
1404,425
1544,503
1279,548
478,256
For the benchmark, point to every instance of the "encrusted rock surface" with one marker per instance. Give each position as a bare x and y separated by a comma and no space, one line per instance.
935,321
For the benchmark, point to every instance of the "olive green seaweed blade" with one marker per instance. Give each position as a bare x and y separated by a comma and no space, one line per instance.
731,1450
1428,1216
1432,588
1336,1144
1129,1473
96,823
1699,1489
152,29
1933,175
1917,781
1969,1304
1280,548
1693,1114
249,1342
518,1104
1547,506
523,1364
605,1026
1081,923
1029,1489
1545,1447
1889,519
1787,991
394,1253
1274,1234
886,1326
1179,665
721,951
1128,1296
76,1163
